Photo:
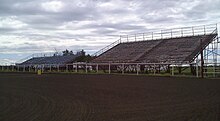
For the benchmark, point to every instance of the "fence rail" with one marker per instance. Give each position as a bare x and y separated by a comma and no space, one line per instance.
129,68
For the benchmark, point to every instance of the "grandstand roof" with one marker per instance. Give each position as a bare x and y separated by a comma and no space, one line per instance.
50,60
173,50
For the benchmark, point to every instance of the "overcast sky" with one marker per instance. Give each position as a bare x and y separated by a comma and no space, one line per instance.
35,26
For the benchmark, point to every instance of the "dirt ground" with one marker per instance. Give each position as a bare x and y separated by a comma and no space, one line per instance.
78,97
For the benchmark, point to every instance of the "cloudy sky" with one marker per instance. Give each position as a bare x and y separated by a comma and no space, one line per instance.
35,26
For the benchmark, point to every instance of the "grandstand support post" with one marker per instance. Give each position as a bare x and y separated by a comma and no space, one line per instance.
66,68
29,68
97,68
109,68
197,70
202,60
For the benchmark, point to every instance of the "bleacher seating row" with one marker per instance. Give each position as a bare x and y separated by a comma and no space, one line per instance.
50,60
173,50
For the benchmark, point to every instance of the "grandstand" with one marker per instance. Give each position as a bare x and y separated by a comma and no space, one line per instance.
50,60
172,49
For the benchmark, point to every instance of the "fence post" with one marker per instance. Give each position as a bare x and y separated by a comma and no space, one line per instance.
24,68
66,67
137,68
86,67
12,68
97,68
154,69
123,67
173,70
76,68
109,68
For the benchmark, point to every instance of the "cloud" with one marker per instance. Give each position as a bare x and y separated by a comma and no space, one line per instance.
41,25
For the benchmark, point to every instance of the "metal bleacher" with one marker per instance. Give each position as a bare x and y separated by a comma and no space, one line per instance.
176,46
50,60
